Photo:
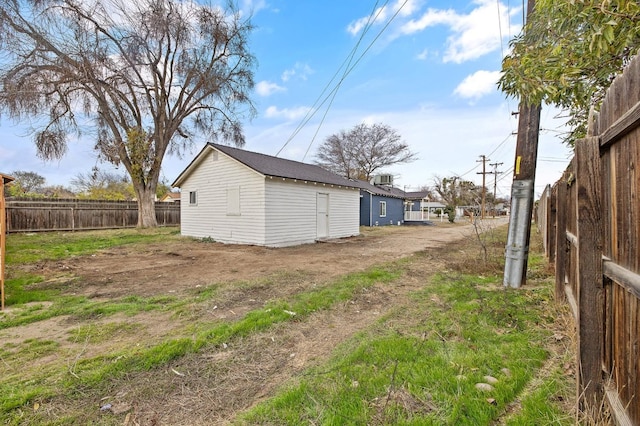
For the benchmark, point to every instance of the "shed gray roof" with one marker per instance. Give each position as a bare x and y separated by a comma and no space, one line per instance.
417,195
275,167
383,190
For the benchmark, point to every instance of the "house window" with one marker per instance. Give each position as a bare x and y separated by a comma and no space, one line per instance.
383,208
193,198
233,201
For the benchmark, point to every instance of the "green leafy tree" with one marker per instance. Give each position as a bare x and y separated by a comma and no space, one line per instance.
26,183
568,54
163,189
455,191
144,77
101,185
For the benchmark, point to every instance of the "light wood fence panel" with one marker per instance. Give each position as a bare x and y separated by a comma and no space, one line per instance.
34,215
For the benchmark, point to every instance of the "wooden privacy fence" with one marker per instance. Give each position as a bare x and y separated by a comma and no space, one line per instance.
34,214
590,220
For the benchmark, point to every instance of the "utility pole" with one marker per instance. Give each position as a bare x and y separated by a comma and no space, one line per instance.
484,160
522,190
495,174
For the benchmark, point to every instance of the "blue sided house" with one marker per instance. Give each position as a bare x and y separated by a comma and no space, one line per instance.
380,204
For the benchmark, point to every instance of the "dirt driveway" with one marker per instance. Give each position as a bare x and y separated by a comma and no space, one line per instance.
162,269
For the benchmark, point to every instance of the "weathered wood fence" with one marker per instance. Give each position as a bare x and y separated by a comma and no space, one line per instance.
35,214
590,221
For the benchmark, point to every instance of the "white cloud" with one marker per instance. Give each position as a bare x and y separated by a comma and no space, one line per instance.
478,84
430,18
251,7
381,15
299,70
477,33
286,113
424,55
267,88
472,34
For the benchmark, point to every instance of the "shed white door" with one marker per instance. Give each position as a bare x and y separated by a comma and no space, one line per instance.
322,215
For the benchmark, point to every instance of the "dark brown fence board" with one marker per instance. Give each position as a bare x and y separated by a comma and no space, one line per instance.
597,217
551,223
560,193
590,293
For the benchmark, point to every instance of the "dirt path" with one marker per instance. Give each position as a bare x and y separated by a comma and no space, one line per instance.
163,269
212,386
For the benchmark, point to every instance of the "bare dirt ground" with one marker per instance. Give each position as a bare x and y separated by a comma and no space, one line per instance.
212,386
164,269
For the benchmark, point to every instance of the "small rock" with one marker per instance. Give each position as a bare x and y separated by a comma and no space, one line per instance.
485,387
506,372
120,408
491,380
105,407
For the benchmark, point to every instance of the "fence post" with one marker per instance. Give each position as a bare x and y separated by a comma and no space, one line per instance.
560,194
551,235
590,283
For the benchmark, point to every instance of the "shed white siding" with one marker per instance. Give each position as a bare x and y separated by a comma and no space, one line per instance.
291,212
238,201
212,179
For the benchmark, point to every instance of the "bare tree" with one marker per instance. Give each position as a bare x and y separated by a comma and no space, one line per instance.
143,77
339,154
363,150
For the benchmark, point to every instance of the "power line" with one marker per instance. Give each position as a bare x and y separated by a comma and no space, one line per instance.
500,144
348,59
348,71
469,171
366,28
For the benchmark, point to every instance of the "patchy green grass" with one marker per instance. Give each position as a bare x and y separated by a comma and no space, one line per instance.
98,333
421,364
35,247
97,371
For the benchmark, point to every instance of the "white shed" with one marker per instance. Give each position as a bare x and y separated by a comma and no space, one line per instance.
242,197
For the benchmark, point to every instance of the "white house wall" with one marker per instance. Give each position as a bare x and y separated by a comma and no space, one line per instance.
215,174
291,212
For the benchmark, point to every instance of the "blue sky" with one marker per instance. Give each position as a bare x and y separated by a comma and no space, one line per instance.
427,68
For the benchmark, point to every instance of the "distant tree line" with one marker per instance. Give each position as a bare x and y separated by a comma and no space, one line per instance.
96,185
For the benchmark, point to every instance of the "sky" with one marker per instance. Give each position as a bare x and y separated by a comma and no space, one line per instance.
426,68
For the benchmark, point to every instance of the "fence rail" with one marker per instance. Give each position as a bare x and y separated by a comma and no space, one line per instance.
35,215
590,222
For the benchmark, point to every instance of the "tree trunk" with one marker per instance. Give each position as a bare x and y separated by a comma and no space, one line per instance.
146,208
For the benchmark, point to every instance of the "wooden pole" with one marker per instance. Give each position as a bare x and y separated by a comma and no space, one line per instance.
3,232
484,160
3,228
522,190
4,179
